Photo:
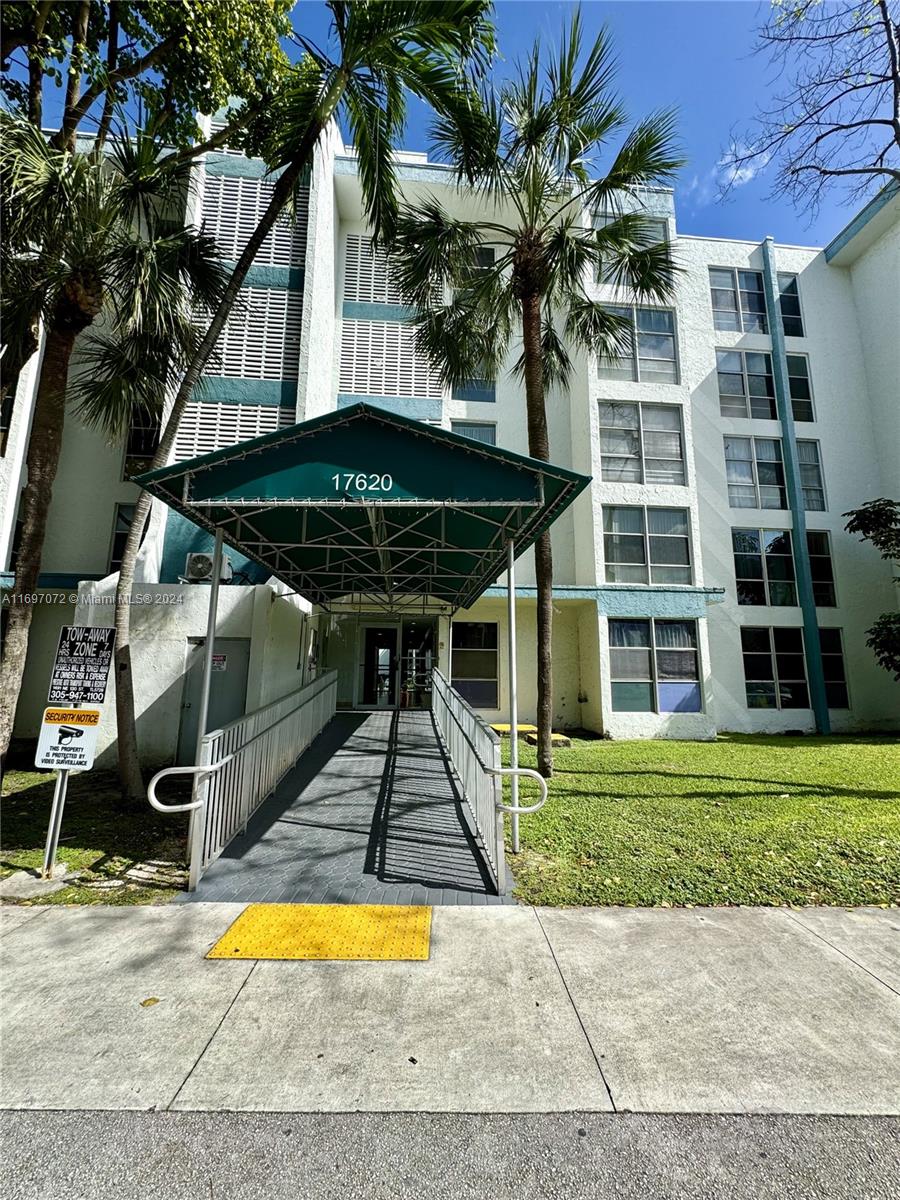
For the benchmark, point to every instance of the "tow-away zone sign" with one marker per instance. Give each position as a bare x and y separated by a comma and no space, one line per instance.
68,739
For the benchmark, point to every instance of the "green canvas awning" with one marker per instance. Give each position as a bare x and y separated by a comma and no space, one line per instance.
364,503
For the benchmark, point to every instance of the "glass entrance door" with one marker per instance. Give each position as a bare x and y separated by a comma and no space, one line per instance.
379,688
417,659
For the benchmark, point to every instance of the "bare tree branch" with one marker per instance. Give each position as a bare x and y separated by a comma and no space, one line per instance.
839,88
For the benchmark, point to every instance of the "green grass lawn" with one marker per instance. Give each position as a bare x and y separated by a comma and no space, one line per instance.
99,839
743,820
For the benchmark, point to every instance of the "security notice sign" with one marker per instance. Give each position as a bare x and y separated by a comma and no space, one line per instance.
68,738
82,665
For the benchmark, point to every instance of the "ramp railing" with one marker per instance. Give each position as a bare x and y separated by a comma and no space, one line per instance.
474,752
242,763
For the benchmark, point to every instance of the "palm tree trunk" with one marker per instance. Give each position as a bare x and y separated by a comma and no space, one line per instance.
539,447
129,763
42,462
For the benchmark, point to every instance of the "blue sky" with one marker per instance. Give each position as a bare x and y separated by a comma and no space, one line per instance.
693,54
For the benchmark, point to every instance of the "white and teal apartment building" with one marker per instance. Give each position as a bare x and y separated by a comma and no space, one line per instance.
704,581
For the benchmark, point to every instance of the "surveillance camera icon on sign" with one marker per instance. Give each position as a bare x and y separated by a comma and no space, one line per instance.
67,734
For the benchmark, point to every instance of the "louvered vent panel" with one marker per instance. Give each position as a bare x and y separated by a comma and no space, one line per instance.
261,339
367,274
379,358
232,209
208,427
217,127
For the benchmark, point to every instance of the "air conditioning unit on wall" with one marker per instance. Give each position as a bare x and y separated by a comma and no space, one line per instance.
198,568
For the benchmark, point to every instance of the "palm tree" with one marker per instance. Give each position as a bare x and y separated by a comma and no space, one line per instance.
88,239
543,172
386,49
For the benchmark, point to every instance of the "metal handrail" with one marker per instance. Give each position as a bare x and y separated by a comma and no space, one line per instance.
211,768
508,771
195,770
519,771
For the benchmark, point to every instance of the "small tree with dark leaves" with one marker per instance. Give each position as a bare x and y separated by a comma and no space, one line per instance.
878,522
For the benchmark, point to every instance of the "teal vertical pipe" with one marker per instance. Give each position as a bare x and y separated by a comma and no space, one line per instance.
814,668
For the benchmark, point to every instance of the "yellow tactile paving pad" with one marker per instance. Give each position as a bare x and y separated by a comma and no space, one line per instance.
328,931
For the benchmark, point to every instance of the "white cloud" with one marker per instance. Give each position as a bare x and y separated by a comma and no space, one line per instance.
734,173
706,187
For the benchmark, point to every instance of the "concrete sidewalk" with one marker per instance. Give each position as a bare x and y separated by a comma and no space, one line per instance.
518,1010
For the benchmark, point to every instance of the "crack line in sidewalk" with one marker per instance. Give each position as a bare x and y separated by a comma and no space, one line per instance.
575,1008
843,954
234,1001
37,909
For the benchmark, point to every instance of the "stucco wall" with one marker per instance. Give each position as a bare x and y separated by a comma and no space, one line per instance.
163,618
847,444
875,284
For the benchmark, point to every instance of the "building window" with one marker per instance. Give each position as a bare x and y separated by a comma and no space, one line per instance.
121,528
738,300
801,387
811,476
775,668
641,443
474,662
482,391
836,693
479,431
789,302
649,545
755,473
654,666
652,355
746,386
764,566
818,545
143,440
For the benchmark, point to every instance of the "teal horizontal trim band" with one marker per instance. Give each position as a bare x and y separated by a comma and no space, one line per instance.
416,407
419,172
65,580
239,167
636,601
481,391
219,389
288,279
354,310
236,166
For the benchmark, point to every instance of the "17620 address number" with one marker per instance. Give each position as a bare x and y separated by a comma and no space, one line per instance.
351,481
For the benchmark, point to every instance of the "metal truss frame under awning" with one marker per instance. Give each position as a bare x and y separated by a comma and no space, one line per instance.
365,503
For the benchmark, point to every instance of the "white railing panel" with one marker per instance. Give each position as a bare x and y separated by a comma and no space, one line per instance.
474,752
245,761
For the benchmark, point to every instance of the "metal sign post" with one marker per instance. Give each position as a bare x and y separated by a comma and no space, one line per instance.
513,692
69,734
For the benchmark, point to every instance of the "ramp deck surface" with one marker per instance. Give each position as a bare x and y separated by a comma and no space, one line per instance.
370,814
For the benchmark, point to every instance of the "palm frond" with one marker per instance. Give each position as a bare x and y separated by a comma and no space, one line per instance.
649,157
430,249
599,328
